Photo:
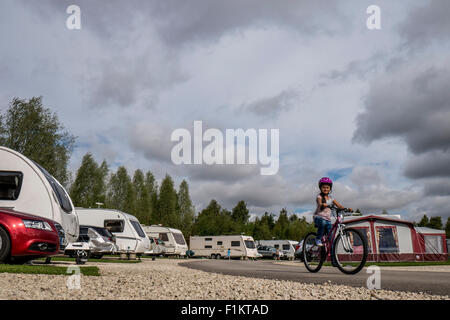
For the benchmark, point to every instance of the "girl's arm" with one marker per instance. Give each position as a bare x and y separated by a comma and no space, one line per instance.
321,204
340,206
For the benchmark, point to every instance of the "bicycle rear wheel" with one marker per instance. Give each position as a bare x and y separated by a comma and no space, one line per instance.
350,251
313,255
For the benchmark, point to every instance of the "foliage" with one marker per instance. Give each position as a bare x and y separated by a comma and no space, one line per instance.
89,186
33,130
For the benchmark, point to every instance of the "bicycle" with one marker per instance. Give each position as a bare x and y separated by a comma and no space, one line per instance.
349,248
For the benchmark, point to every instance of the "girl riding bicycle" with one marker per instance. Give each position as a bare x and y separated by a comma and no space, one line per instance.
322,215
346,246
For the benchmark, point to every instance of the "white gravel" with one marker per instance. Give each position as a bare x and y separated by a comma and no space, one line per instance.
164,279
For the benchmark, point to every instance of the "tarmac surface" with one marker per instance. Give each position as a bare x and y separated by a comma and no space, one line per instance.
432,282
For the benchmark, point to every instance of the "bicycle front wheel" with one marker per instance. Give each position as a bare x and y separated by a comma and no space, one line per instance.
313,255
350,251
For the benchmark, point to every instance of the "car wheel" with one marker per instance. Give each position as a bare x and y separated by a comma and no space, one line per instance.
5,245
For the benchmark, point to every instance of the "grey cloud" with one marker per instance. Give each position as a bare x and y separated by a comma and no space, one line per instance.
437,187
360,68
365,178
272,106
431,164
261,192
413,105
226,173
426,23
431,206
152,141
180,22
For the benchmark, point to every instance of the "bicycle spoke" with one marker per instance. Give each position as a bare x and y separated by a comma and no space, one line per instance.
312,254
350,251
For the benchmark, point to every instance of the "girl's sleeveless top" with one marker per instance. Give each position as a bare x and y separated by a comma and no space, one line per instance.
326,212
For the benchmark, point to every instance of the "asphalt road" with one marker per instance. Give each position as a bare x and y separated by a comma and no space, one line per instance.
437,283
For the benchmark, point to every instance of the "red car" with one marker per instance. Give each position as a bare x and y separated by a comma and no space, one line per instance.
24,237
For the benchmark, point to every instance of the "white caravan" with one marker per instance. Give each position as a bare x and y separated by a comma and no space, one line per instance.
128,231
286,246
175,243
240,246
26,186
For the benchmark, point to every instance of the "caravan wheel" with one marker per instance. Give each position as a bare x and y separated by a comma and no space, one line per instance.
5,245
218,256
213,256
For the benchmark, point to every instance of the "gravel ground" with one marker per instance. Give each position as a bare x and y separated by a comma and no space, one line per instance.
164,279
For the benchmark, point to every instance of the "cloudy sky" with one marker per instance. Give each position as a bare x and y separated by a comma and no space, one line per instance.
369,108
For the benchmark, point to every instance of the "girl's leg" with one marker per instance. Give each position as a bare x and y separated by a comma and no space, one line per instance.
319,222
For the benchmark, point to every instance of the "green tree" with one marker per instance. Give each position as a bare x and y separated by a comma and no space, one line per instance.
143,203
357,212
240,216
281,227
213,221
89,186
121,194
152,189
435,223
33,130
167,204
384,211
424,221
186,209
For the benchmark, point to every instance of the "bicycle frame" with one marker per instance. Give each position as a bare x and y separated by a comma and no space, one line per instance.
338,227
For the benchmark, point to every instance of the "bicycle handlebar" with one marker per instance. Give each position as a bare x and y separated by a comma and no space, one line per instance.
338,210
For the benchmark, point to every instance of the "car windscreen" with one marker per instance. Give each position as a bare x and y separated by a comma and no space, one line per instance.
138,228
103,232
10,185
61,194
179,239
249,244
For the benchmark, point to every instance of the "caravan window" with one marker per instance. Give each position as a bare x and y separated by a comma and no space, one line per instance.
250,244
179,239
387,239
433,244
138,228
286,247
10,185
114,225
235,243
164,237
61,194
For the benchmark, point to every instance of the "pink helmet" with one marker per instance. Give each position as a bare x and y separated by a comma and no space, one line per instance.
325,180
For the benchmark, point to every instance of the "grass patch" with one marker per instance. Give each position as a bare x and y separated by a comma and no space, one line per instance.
110,260
33,269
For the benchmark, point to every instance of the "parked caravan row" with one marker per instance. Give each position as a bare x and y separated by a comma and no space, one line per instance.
240,246
130,237
27,188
